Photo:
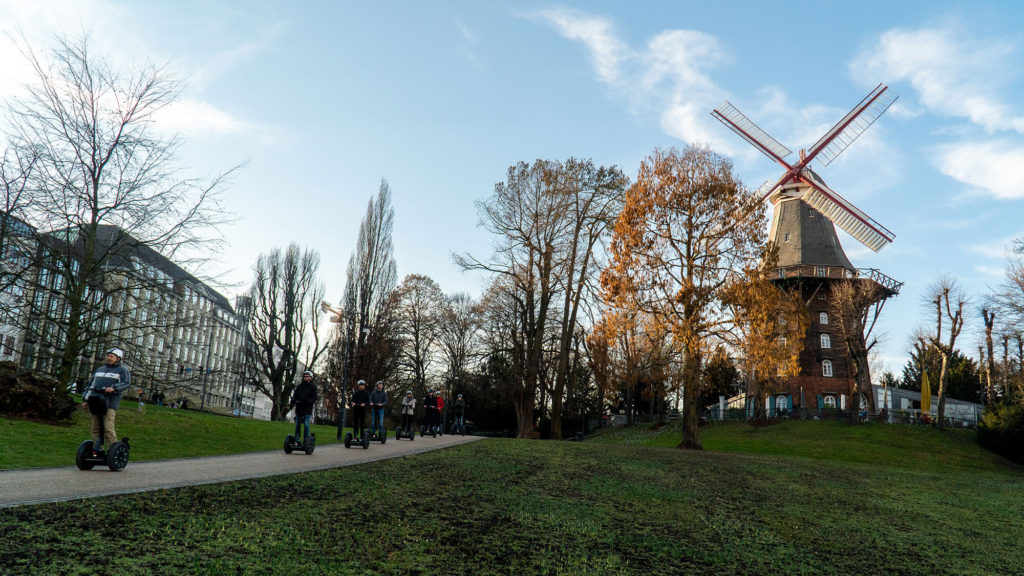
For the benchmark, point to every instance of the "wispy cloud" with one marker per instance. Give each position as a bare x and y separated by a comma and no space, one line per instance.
995,249
953,71
468,43
669,76
197,118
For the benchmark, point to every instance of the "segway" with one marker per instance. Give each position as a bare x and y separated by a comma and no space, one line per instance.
115,457
364,441
291,444
409,432
425,430
379,436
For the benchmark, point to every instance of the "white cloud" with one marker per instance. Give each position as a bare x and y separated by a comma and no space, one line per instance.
596,33
953,72
468,44
197,119
991,166
996,249
668,77
990,271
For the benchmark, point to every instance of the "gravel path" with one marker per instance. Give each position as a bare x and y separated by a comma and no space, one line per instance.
42,485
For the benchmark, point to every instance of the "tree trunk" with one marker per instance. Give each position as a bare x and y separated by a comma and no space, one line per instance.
941,412
691,383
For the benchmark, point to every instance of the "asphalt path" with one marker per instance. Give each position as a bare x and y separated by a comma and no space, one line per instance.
43,485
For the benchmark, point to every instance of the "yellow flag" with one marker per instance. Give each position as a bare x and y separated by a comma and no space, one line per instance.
926,394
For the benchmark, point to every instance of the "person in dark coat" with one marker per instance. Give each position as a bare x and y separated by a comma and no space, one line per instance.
430,410
303,400
360,401
378,400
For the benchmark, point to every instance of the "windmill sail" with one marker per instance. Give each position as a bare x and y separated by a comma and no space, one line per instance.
746,129
853,124
845,215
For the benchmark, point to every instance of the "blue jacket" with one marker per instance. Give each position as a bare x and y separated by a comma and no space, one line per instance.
106,376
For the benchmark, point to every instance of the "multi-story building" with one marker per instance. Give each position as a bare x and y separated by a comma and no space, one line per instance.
181,337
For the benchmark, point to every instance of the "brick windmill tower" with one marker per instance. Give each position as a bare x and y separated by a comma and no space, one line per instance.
811,259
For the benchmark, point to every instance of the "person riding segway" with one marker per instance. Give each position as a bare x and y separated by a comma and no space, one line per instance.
429,414
103,397
360,400
303,400
408,427
378,400
460,416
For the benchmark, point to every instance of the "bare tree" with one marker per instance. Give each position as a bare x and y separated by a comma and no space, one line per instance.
856,306
989,318
948,300
365,342
285,321
101,168
420,306
457,336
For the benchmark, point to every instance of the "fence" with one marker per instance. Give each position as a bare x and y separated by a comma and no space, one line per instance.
913,417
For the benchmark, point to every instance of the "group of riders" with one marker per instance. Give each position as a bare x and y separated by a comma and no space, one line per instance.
112,379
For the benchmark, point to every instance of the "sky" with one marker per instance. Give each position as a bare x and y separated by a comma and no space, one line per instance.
322,100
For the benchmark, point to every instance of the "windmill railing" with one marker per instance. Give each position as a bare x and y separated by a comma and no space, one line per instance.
838,272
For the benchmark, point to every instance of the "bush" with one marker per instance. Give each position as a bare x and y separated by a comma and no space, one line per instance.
27,395
1001,430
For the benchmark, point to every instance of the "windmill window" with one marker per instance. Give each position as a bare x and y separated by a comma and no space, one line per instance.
830,401
821,295
823,318
826,371
826,341
786,238
821,271
810,212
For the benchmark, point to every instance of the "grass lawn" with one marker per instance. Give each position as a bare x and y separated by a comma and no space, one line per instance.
533,507
157,434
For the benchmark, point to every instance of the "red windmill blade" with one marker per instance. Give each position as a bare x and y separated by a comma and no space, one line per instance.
833,206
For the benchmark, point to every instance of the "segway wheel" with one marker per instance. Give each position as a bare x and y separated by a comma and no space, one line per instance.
309,445
383,435
348,440
117,456
289,440
366,441
84,451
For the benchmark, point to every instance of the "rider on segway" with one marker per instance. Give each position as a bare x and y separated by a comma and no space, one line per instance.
303,399
108,383
408,413
360,400
378,400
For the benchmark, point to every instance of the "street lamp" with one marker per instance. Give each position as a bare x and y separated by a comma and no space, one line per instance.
338,315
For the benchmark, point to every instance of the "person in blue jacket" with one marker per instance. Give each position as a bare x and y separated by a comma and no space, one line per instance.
109,381
304,398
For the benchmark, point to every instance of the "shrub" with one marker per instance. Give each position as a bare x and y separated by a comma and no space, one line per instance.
27,395
1001,430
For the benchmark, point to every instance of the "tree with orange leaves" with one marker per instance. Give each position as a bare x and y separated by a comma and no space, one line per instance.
687,224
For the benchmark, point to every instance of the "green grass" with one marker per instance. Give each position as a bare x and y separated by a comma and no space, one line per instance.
157,434
531,507
906,447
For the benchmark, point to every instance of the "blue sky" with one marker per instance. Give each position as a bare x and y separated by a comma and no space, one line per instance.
323,99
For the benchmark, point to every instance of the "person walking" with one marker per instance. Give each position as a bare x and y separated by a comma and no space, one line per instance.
108,382
378,400
303,400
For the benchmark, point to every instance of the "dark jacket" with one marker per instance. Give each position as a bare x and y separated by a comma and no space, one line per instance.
460,407
430,404
304,398
360,397
378,397
106,376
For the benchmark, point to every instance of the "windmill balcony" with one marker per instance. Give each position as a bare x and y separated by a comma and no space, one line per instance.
838,272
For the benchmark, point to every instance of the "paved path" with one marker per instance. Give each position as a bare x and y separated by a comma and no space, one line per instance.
41,485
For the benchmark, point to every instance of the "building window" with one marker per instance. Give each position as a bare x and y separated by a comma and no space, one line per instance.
823,318
781,403
826,342
826,371
786,237
821,294
830,401
821,271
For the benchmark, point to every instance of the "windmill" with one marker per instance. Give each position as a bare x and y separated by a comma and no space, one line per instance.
810,257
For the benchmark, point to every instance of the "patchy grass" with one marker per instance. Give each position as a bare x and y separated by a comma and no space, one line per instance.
528,507
896,445
157,434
